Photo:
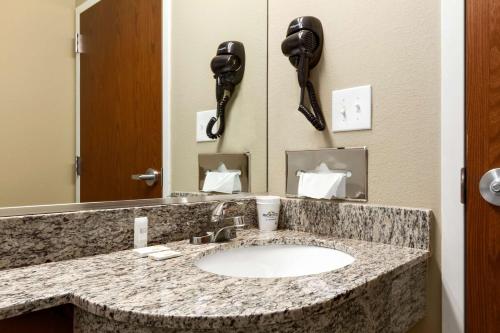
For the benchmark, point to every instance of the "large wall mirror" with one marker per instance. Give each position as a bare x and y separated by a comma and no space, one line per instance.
93,92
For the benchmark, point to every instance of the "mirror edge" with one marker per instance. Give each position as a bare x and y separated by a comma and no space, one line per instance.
77,207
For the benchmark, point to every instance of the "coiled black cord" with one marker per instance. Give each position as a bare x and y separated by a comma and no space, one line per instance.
221,110
316,119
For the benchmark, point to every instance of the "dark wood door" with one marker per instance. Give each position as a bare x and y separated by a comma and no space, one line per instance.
482,154
120,99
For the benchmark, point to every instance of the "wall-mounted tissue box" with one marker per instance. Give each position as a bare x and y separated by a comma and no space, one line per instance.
223,172
222,180
334,173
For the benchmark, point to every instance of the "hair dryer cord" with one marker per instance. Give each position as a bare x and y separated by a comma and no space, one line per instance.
221,110
316,119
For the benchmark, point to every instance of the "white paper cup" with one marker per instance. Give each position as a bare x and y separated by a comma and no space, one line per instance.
268,199
268,211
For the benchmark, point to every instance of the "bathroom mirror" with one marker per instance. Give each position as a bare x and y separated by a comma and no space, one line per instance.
109,100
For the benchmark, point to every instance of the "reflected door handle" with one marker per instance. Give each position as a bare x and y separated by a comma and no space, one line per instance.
150,177
489,186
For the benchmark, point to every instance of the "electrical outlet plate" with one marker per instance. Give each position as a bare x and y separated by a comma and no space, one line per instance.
352,109
202,119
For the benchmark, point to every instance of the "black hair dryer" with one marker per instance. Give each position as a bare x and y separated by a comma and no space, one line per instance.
228,67
303,46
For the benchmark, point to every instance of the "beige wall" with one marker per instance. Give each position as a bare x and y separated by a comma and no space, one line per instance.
394,46
198,27
37,102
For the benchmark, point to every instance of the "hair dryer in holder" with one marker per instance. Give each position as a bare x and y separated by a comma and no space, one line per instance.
303,46
228,67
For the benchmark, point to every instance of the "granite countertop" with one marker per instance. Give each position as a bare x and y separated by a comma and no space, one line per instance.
175,293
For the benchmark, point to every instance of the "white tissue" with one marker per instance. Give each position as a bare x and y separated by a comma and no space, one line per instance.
322,183
222,180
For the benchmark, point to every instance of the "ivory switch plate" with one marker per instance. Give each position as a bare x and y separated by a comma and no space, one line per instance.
352,109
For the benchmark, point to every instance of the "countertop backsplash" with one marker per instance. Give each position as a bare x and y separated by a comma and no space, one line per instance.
408,227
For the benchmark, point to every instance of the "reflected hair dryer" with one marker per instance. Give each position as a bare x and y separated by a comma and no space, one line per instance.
228,67
303,46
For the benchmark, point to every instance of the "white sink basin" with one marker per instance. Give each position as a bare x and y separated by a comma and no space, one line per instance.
273,261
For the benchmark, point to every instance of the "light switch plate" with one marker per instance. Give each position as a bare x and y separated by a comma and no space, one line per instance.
352,109
202,119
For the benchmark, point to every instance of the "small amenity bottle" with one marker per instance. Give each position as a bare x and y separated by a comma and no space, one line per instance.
140,232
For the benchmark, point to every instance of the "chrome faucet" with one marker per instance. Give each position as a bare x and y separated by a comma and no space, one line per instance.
223,227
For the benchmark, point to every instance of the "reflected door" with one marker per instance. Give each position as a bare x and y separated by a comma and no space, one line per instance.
120,100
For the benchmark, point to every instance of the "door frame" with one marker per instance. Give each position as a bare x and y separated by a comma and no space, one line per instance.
166,87
452,161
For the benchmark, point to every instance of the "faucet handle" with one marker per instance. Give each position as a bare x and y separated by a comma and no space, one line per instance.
239,222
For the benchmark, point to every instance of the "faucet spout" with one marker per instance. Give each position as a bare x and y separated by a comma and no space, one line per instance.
219,212
224,228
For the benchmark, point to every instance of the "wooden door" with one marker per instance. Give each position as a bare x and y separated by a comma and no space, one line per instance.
482,154
120,99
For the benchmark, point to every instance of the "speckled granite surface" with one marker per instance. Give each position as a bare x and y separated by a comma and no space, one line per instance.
400,226
383,287
36,239
386,305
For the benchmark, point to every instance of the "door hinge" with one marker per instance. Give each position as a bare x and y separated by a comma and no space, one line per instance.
78,165
463,189
78,43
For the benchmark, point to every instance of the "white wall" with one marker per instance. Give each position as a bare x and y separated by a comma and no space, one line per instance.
452,160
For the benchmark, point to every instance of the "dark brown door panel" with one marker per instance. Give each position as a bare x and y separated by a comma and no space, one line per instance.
120,99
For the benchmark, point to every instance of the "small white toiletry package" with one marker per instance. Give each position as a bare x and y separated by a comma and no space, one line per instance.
268,211
145,251
222,180
163,255
322,183
140,232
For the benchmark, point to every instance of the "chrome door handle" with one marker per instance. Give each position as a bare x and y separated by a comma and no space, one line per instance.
489,186
150,177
